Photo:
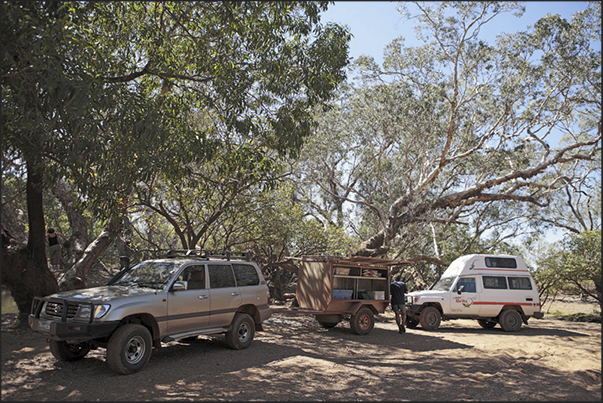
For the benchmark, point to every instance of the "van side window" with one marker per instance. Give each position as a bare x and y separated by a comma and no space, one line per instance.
495,282
220,276
469,284
503,262
520,283
246,275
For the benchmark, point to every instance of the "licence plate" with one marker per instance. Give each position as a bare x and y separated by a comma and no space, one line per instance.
44,326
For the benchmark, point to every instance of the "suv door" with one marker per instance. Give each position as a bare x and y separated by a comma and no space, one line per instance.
250,284
223,293
189,309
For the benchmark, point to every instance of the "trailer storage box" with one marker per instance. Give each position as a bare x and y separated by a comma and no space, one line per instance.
377,295
342,294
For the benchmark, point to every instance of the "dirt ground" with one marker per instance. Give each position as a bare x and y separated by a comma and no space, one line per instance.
294,359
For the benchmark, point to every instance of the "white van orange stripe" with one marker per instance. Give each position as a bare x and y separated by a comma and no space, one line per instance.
505,303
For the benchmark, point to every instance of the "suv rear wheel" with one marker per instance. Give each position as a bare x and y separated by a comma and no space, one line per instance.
129,349
241,333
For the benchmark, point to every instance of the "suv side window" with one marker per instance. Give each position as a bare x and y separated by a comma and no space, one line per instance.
469,284
195,276
495,282
220,276
246,275
519,283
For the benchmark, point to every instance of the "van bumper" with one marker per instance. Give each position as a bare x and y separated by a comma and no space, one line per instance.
538,315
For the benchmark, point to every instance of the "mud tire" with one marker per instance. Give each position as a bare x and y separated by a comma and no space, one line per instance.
129,349
240,336
363,322
510,320
63,351
430,318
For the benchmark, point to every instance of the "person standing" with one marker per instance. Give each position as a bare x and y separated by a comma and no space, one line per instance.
54,247
397,290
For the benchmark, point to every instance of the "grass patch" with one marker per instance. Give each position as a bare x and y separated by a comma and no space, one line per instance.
577,317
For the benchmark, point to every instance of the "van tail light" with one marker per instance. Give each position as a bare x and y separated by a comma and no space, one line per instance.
268,294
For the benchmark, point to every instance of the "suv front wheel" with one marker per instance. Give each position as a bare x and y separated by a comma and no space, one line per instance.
241,332
129,349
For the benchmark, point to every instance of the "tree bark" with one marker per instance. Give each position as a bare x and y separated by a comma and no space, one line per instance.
75,277
24,268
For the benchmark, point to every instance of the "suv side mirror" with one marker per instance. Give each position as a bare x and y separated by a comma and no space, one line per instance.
461,289
180,286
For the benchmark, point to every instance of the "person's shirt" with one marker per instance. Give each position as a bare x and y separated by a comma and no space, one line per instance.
397,289
53,240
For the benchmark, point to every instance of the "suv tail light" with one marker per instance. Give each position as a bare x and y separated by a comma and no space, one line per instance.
268,294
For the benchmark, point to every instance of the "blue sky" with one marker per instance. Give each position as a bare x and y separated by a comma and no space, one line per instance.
374,24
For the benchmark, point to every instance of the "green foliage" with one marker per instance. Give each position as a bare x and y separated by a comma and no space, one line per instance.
571,265
109,93
447,148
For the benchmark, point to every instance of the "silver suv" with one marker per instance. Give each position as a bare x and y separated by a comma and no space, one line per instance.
157,301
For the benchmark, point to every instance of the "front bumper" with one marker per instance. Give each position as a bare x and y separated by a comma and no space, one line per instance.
75,331
63,327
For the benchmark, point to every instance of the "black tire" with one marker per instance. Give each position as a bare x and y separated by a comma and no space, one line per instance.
241,333
486,323
363,322
328,325
510,320
430,318
129,349
411,323
63,351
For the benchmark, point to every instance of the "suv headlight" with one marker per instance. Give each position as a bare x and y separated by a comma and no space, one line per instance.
83,312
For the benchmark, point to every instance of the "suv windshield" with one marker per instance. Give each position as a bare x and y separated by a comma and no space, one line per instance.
443,284
148,275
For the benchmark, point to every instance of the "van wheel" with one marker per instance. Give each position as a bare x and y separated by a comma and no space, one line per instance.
510,320
430,318
486,323
129,349
411,323
363,322
63,351
241,333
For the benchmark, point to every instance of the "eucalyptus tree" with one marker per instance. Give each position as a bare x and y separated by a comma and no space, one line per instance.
106,94
462,132
574,262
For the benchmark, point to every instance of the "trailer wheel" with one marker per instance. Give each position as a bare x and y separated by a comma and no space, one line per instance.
510,320
486,323
63,351
430,318
328,325
363,322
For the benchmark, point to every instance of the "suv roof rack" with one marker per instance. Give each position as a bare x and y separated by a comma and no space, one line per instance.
207,254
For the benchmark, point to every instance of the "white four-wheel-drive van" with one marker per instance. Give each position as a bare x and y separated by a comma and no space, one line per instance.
490,288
